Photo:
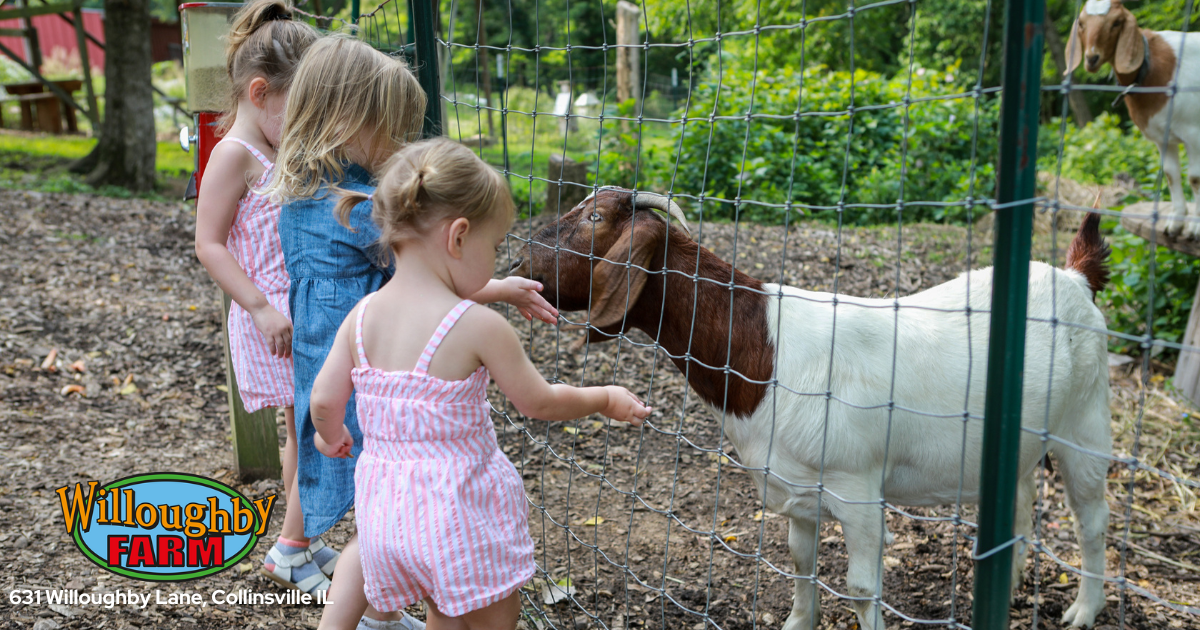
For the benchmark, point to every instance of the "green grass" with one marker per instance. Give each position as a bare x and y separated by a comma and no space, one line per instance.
170,161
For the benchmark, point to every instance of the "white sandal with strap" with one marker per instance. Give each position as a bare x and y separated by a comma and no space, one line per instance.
315,545
282,574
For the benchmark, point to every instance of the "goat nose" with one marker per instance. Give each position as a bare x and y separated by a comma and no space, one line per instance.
1093,60
516,263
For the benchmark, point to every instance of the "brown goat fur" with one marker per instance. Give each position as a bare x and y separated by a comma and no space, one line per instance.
1115,38
602,239
1088,253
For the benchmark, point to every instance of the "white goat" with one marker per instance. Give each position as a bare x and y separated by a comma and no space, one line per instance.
928,358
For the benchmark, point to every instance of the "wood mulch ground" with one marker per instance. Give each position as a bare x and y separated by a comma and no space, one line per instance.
114,284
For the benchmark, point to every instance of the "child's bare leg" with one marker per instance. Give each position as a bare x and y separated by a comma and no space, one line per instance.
290,456
346,601
501,615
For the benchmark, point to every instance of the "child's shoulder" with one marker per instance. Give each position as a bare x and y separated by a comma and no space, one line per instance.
484,319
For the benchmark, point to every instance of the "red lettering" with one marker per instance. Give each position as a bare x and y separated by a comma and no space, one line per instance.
170,551
141,552
116,549
206,552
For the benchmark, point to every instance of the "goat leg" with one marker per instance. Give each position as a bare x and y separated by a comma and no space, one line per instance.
806,606
1171,170
1193,226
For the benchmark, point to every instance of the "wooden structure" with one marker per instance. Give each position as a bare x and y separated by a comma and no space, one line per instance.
75,8
629,84
43,110
1187,370
255,436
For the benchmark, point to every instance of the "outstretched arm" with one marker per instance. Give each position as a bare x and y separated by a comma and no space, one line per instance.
331,391
516,376
521,293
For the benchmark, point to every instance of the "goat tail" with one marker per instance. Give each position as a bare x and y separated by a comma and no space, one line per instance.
1088,253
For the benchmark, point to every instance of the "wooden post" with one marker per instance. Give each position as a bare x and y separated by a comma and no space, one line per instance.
1187,369
481,61
628,68
93,112
255,436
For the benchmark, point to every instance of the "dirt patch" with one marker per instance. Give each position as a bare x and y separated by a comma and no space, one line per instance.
114,283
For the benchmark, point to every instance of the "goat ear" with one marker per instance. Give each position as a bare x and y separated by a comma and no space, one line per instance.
1130,48
616,287
1074,49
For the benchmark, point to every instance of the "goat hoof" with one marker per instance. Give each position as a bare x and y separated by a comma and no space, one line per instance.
1192,232
1081,614
1172,227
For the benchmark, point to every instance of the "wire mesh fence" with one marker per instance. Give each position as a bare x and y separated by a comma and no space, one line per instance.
814,454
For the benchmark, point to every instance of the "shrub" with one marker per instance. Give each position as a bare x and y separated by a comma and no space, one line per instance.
1099,153
811,158
1125,301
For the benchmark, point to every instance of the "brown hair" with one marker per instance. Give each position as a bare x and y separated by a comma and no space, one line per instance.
429,181
264,42
342,87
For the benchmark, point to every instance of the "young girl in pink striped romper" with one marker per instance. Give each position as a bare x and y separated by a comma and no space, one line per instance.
237,241
442,513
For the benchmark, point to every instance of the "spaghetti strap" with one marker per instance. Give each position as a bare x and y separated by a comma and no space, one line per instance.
358,339
443,328
253,151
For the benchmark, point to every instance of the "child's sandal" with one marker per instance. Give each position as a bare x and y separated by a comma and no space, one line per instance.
315,545
282,573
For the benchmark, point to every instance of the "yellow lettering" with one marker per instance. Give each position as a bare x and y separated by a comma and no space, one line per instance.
194,526
78,507
264,512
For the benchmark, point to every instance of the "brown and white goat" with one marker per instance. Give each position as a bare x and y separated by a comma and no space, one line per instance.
827,424
1106,32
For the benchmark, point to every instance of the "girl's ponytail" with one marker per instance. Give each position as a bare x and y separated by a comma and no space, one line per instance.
347,199
248,20
263,41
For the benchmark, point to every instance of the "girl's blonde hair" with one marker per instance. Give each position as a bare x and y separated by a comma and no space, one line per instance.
429,181
342,87
263,42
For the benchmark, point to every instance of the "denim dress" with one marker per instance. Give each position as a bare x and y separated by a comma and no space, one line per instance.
331,268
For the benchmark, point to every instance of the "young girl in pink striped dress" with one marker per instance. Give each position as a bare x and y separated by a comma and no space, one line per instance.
442,513
237,241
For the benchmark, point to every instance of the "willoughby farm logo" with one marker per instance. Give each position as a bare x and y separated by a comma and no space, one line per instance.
163,527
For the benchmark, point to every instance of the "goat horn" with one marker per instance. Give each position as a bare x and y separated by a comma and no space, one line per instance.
663,203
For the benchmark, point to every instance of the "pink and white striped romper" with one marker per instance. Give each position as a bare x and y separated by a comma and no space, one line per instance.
263,380
441,512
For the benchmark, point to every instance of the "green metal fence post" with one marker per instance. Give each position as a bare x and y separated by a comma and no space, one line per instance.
354,11
423,19
1010,286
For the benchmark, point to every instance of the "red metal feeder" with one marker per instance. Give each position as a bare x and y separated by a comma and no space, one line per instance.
205,25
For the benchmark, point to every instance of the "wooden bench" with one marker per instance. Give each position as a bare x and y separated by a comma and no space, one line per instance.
49,109
1187,369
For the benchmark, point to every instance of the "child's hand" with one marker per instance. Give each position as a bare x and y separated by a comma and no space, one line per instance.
338,449
623,406
523,294
276,329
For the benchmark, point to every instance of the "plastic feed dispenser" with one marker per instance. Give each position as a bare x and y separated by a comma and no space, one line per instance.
205,25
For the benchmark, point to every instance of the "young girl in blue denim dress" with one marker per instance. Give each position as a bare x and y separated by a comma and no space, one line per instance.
351,107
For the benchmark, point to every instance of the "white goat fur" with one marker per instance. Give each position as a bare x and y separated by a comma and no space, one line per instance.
940,368
1184,127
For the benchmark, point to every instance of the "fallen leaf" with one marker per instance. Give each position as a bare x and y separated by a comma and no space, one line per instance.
73,389
128,379
78,366
48,364
192,307
730,538
571,430
129,389
594,521
116,277
223,388
166,317
554,593
1062,578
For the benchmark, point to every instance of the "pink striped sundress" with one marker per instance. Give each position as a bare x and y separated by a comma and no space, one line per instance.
263,380
441,512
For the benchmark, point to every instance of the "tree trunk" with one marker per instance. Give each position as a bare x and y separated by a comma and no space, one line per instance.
1075,98
124,156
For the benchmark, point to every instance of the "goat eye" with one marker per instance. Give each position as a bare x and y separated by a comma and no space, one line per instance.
595,217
